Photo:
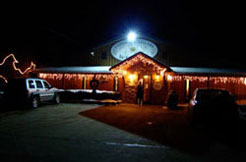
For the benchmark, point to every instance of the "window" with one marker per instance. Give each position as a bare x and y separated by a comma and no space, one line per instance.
31,84
39,84
46,85
187,89
84,83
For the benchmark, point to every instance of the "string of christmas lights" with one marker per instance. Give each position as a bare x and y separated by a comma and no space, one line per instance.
215,80
59,76
237,80
187,77
5,80
50,76
15,61
31,67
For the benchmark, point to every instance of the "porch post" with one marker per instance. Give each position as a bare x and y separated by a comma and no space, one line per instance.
208,80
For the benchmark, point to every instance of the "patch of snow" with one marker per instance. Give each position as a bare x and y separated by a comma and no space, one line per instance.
85,90
149,123
136,145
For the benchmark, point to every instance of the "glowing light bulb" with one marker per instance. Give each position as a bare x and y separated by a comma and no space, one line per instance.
157,77
124,72
131,36
169,78
131,77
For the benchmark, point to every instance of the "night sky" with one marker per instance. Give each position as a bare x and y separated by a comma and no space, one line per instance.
59,34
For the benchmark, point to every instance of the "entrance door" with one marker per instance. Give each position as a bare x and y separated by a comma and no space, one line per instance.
146,82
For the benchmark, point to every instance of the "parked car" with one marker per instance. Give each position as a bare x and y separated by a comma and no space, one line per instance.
213,107
31,91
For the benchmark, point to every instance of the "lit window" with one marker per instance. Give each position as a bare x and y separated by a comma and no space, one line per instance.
84,83
187,89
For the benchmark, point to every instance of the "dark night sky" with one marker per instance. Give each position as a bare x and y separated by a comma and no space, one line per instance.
58,34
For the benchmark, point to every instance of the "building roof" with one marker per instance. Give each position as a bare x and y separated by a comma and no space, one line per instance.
178,70
77,69
208,71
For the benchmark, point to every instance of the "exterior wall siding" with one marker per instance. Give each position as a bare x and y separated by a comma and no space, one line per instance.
238,90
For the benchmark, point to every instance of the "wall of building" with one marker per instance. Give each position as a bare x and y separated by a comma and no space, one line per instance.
76,81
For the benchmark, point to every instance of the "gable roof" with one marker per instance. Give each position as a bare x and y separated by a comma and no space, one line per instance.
140,55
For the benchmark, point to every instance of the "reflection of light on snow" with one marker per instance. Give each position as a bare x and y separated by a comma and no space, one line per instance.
136,145
149,123
86,91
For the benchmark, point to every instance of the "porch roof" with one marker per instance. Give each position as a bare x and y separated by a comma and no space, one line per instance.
77,69
208,71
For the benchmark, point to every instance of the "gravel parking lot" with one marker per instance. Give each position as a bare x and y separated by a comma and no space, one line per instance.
66,132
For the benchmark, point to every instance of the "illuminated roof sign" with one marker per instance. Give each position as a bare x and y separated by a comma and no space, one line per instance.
124,49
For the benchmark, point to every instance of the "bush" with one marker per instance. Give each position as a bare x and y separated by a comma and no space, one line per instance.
80,95
172,100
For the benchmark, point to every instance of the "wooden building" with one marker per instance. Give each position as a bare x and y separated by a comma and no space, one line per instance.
120,65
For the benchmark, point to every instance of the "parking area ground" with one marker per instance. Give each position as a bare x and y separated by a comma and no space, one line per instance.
88,132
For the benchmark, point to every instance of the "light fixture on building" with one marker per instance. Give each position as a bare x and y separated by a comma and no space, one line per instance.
132,77
157,77
146,76
131,36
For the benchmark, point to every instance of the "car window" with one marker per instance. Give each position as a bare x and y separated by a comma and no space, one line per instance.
31,84
39,84
46,85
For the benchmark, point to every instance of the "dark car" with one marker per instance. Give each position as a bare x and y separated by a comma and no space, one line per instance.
213,107
29,91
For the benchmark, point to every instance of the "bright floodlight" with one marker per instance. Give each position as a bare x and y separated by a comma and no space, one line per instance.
131,36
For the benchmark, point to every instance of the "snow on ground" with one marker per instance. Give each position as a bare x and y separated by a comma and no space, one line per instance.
86,90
